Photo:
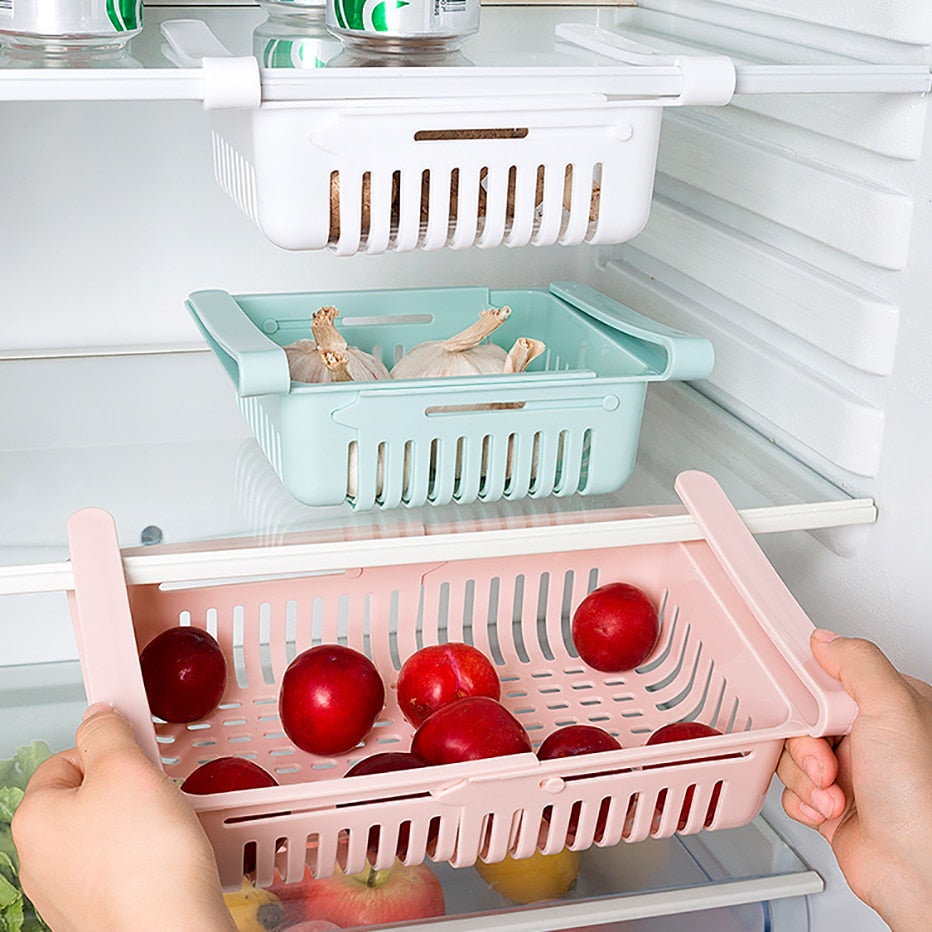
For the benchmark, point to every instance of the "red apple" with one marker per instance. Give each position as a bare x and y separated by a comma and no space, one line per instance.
615,628
469,729
329,699
437,675
184,673
684,731
225,774
572,740
372,897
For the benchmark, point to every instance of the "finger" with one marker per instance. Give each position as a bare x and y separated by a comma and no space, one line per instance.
801,812
815,800
104,733
864,670
815,757
62,771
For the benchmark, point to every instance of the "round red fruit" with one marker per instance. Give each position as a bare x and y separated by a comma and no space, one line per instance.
682,731
615,628
225,774
329,699
573,740
184,673
385,762
470,729
440,674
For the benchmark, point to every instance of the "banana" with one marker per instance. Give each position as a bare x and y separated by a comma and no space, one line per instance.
254,909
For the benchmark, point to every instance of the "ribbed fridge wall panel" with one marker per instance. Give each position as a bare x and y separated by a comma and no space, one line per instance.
853,325
907,21
757,376
888,124
856,215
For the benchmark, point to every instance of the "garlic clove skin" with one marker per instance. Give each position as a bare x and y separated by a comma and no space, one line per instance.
304,362
465,353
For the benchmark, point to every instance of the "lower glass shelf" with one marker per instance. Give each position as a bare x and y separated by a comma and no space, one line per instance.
729,877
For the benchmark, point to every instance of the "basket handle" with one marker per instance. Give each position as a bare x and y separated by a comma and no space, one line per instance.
255,364
103,625
670,353
765,592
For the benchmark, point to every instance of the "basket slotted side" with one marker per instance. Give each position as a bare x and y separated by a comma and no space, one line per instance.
568,425
712,663
484,175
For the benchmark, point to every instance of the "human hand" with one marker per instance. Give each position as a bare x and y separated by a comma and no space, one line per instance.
107,842
870,794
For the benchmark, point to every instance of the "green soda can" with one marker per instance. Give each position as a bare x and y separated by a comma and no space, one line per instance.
59,25
294,35
403,25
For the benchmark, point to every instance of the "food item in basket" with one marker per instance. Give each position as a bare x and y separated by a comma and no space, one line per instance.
572,740
224,774
615,627
306,362
398,893
529,880
465,353
330,697
684,731
385,762
473,728
254,909
439,674
184,672
365,194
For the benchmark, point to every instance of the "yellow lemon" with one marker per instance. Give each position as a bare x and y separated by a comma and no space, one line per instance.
254,909
527,880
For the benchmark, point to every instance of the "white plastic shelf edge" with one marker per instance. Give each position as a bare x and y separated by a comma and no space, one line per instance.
639,906
299,559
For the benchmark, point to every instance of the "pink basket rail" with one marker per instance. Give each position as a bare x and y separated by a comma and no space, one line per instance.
733,653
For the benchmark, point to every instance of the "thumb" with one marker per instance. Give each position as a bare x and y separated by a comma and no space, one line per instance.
864,670
104,733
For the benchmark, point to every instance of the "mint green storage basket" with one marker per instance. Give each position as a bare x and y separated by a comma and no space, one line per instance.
567,425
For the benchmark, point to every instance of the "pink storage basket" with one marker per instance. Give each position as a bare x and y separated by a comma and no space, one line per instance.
733,653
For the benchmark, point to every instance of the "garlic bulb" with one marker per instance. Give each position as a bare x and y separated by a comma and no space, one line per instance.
305,363
360,365
462,354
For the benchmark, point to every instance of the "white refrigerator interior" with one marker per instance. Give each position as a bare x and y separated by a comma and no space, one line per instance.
789,225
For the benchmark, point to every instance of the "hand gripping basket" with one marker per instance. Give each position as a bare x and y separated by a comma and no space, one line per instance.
733,653
569,424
